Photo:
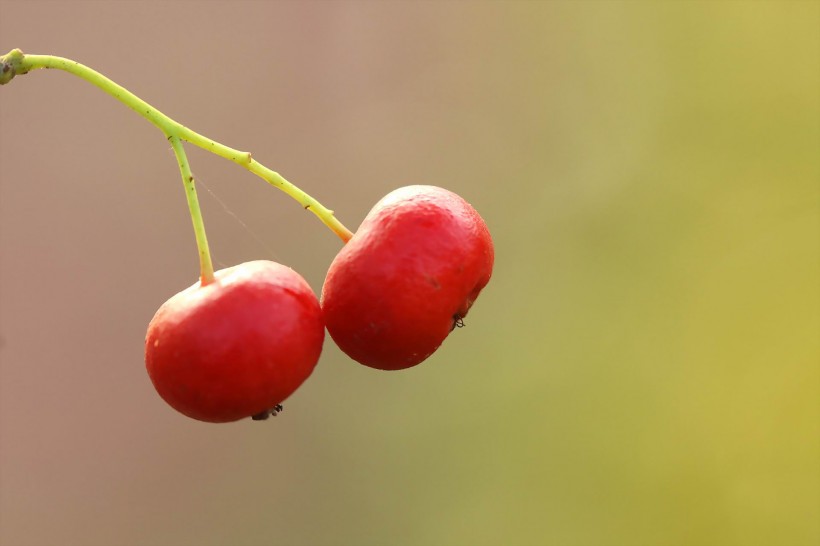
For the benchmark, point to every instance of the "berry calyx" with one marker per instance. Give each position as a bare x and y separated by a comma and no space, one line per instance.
407,278
236,347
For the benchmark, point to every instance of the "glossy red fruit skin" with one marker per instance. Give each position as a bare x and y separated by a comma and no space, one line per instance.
412,270
238,346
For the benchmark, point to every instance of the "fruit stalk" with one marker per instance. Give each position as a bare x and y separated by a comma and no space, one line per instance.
17,63
206,266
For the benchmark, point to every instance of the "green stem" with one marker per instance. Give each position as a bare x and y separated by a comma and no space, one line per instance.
206,266
17,63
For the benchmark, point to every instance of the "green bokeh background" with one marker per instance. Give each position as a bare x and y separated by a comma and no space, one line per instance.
644,367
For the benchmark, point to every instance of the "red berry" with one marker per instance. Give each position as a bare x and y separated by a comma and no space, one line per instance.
407,277
237,347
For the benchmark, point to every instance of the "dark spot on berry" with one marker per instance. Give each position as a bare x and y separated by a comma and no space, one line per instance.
273,412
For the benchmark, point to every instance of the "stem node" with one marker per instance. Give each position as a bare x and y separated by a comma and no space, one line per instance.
11,64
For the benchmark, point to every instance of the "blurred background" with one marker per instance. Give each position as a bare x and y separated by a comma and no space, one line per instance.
644,367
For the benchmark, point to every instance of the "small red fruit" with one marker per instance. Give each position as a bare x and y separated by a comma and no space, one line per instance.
236,347
407,277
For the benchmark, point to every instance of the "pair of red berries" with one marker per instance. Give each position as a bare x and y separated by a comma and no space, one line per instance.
241,345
